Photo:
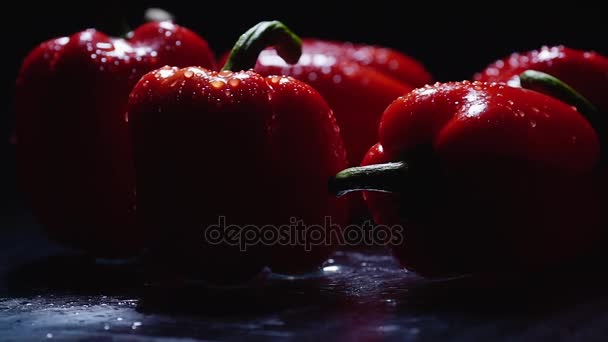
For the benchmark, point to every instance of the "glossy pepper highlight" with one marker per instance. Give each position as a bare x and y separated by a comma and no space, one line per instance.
483,178
215,150
73,150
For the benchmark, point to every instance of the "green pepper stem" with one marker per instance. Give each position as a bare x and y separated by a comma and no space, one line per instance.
245,52
387,177
553,86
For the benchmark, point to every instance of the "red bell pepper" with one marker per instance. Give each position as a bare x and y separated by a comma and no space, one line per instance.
253,151
73,150
585,71
358,82
390,62
484,178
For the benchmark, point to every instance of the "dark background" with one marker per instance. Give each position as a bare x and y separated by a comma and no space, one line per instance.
453,40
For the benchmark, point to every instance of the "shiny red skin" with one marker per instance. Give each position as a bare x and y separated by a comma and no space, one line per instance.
358,82
255,150
73,149
585,71
507,182
388,61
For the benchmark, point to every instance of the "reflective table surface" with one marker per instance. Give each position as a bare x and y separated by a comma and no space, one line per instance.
48,293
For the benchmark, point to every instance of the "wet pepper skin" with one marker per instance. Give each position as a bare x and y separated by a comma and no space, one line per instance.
254,150
358,82
585,71
390,62
73,151
500,178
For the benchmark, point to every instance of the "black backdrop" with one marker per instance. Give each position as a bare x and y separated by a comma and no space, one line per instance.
453,40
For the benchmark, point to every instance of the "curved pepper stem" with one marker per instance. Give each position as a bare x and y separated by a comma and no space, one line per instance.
388,177
553,86
245,52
